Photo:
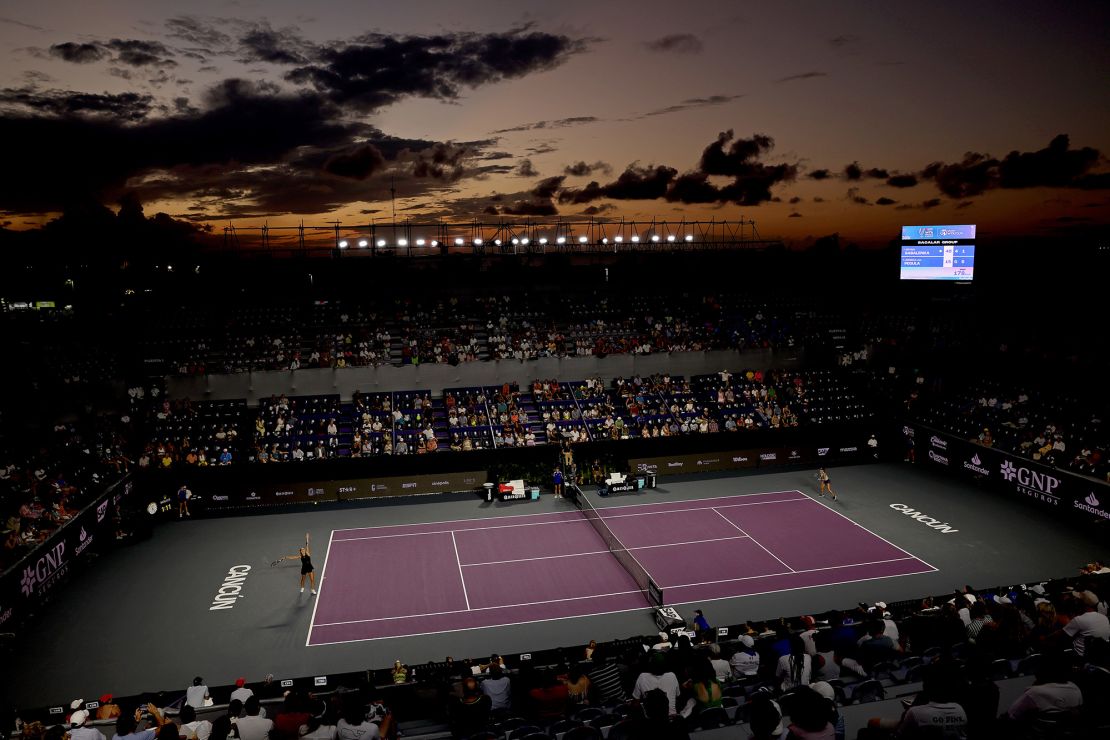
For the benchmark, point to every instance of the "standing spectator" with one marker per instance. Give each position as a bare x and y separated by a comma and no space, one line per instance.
197,694
557,479
183,496
701,624
498,689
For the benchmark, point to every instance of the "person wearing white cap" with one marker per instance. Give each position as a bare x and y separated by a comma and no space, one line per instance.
1087,623
745,661
78,729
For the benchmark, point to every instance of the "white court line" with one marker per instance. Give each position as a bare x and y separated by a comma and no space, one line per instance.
601,552
319,591
462,578
792,572
481,608
566,521
560,513
865,529
618,611
753,539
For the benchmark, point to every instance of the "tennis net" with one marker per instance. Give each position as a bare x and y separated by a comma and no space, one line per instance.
651,591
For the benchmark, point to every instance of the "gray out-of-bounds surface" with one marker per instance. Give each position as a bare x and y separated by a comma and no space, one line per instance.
140,619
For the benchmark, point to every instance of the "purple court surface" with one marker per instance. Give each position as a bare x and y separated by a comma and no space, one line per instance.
423,578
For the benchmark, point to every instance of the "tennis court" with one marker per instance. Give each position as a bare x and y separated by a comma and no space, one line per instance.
416,579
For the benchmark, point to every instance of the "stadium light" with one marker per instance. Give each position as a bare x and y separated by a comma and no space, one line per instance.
342,243
670,237
362,243
604,240
478,241
419,242
561,240
402,242
435,243
497,242
689,237
380,242
655,237
636,238
458,241
582,240
618,238
524,241
515,240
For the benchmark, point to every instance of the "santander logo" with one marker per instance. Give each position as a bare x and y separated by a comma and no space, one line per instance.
1091,500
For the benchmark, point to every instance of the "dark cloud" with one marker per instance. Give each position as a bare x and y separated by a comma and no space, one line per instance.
931,203
208,36
283,46
376,70
795,214
693,103
527,169
21,24
546,148
964,204
558,123
818,199
598,209
853,172
854,197
973,175
676,43
546,188
844,41
795,199
125,106
77,53
902,181
530,208
139,53
821,174
737,159
441,161
803,76
884,201
358,164
582,169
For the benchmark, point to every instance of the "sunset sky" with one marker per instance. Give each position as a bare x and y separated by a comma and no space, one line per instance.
808,117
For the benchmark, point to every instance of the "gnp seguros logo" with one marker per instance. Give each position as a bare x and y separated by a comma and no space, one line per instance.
1040,486
41,574
1091,505
975,465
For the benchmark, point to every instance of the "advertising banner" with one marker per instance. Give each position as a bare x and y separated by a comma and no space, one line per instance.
1056,490
37,577
306,492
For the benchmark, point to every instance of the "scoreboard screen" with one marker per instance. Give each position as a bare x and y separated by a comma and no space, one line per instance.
938,252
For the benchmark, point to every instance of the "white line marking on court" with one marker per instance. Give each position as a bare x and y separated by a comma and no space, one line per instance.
481,608
753,539
462,578
576,520
560,513
865,529
600,552
617,611
319,591
768,575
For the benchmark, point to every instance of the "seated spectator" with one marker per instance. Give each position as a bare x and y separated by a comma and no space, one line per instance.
795,669
933,714
810,716
605,678
353,725
192,728
254,726
1087,624
745,661
469,713
498,688
1052,695
197,694
658,677
550,698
